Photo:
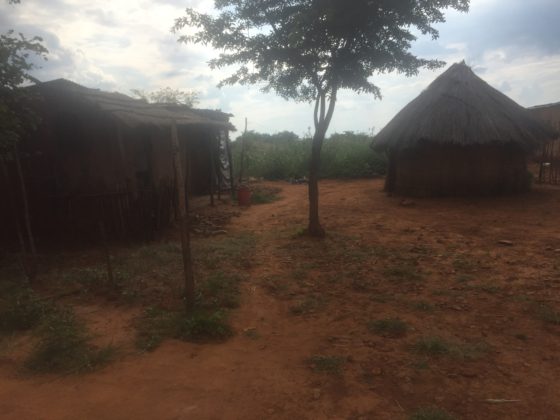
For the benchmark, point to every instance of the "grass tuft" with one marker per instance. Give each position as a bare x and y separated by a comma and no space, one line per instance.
21,310
220,290
63,347
432,346
403,273
389,327
436,346
157,325
327,364
548,314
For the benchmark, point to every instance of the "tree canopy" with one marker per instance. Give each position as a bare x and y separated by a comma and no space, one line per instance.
300,48
168,95
16,64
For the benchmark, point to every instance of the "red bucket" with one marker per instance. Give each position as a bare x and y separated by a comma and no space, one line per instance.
243,196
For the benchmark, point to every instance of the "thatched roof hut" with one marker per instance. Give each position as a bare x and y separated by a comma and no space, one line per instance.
105,157
460,136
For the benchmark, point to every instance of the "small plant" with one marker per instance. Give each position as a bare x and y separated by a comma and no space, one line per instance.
63,347
236,249
276,285
432,346
548,314
403,273
327,364
421,365
308,305
220,290
463,263
21,310
203,326
156,325
436,346
431,413
153,327
389,327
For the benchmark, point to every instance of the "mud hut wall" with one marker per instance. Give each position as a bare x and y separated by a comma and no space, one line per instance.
196,145
436,170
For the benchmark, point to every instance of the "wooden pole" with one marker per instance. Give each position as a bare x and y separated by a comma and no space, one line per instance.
110,277
27,217
231,180
183,217
218,148
212,174
241,161
25,203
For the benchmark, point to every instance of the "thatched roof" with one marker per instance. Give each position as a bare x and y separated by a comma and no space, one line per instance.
461,108
132,112
545,106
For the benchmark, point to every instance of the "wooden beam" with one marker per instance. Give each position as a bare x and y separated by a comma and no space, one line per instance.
183,217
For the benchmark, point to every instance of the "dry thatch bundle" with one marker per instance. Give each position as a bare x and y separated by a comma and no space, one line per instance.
132,112
460,108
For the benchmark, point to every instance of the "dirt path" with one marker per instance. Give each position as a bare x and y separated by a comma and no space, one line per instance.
472,290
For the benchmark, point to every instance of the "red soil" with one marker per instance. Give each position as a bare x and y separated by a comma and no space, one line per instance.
268,377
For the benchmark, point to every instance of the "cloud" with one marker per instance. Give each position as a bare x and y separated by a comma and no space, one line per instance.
120,45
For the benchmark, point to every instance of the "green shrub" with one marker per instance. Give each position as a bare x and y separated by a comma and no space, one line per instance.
388,327
284,155
63,346
21,310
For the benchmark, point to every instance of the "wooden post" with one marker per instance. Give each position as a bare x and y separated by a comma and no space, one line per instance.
218,148
241,160
110,277
26,215
183,217
230,159
212,173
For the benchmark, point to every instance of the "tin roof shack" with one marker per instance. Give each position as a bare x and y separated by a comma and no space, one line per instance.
105,157
460,136
548,158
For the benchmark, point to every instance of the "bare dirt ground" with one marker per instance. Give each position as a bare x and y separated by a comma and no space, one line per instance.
481,335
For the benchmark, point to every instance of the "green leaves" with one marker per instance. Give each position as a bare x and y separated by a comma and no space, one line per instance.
302,48
16,63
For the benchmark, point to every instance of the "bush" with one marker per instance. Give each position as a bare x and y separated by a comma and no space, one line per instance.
63,346
284,155
21,310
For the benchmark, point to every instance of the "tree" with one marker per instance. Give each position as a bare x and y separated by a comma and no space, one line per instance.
16,115
308,50
168,95
15,70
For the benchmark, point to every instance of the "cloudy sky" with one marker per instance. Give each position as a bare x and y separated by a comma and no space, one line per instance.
119,45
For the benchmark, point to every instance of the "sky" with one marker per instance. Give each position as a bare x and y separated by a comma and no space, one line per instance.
120,45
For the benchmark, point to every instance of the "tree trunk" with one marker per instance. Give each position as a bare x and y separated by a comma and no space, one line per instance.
322,119
315,228
184,221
